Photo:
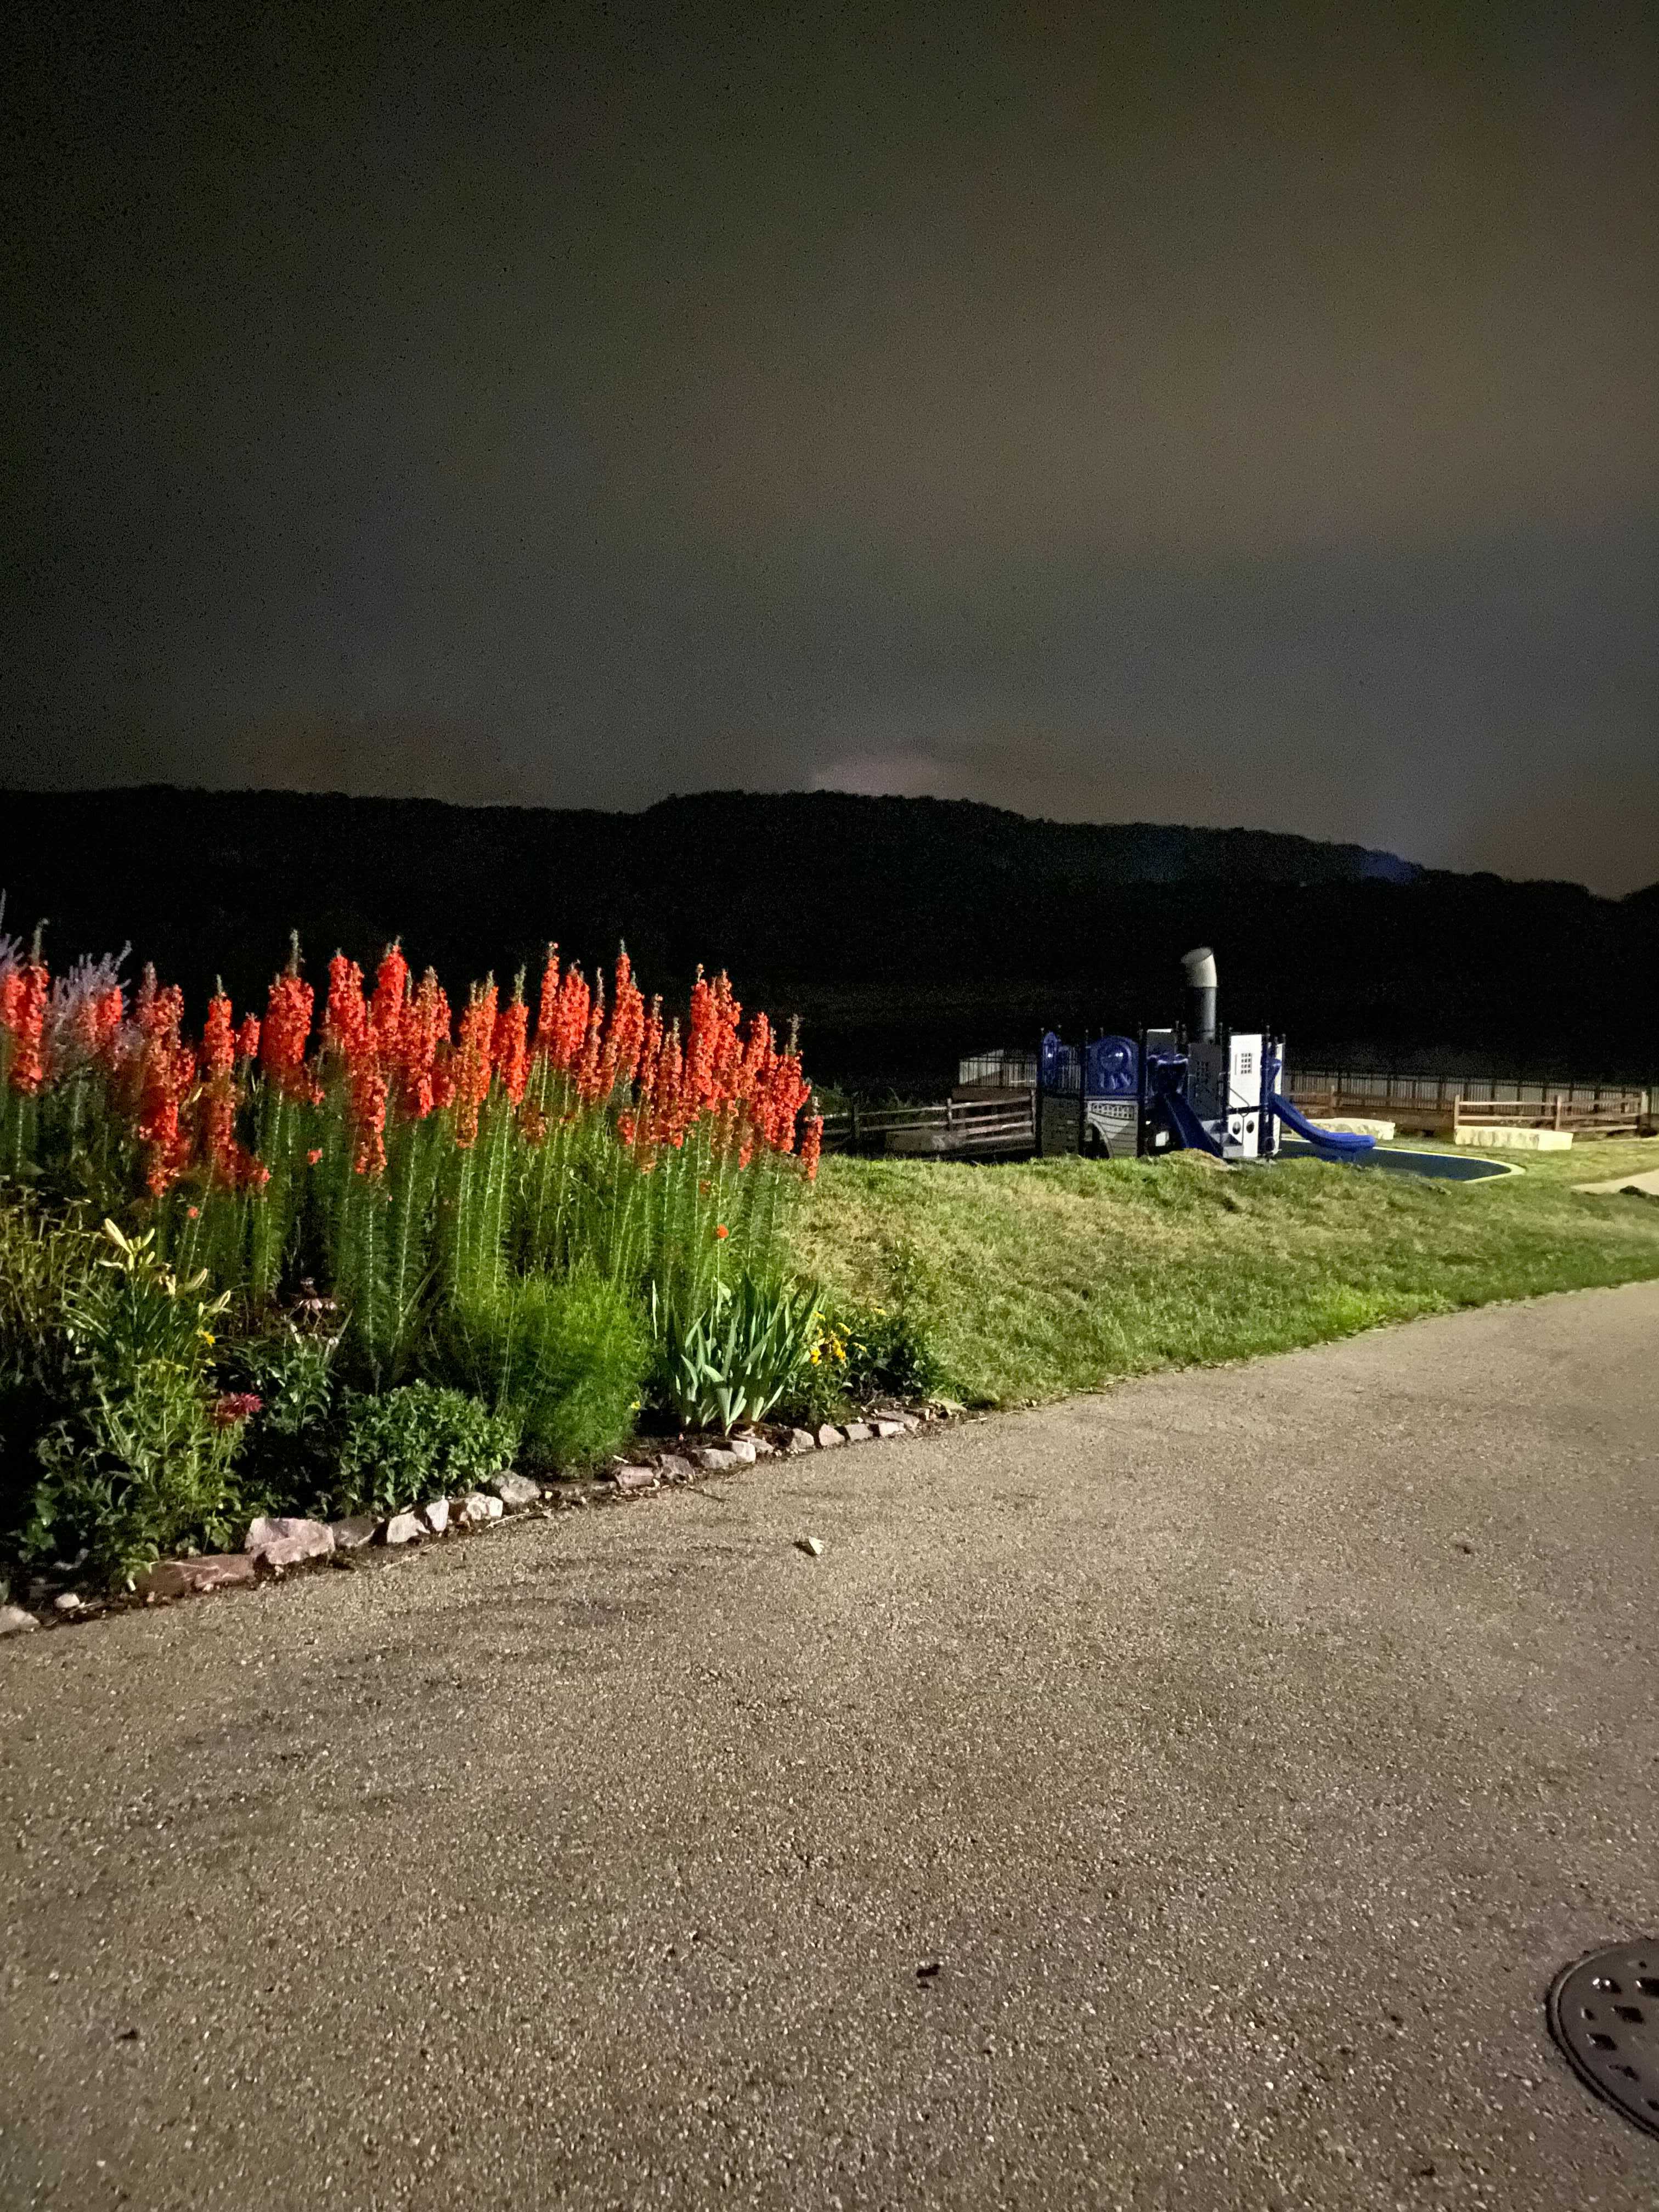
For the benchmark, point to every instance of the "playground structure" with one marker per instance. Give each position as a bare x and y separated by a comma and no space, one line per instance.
1197,1087
1229,1094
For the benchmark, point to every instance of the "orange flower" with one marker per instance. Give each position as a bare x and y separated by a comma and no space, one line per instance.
472,1062
509,1050
26,1011
219,1097
286,1031
425,1033
345,1021
721,1230
589,1070
811,1141
389,1006
547,1010
167,1066
368,1098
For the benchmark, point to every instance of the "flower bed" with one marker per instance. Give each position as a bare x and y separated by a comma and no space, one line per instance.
274,1547
303,1264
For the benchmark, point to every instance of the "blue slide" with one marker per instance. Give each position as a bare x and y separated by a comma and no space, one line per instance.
1186,1124
1326,1141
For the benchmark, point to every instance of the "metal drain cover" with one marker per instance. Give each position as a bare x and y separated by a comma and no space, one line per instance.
1604,2013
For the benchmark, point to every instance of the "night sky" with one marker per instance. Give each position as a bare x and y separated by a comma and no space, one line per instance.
1231,415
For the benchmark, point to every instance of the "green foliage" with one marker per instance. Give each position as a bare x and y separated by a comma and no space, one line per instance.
417,1442
866,1350
288,1441
136,1462
567,1358
41,1258
732,1359
892,1348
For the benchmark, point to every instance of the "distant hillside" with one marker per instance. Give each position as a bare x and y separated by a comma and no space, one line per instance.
902,930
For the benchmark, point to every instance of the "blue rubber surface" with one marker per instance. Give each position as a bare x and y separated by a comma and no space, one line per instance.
1443,1166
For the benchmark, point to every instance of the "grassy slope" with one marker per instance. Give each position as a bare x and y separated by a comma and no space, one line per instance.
1065,1274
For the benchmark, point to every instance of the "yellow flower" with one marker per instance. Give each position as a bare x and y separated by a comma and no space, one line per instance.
207,1336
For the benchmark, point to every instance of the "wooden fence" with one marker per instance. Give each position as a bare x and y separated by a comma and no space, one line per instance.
971,1128
1554,1113
1441,1104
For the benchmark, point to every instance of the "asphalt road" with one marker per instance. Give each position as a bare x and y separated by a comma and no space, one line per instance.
1175,1798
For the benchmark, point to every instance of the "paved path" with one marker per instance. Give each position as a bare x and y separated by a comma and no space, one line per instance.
1245,1749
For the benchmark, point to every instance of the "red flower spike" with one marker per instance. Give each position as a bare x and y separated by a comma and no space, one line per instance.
509,1050
547,1010
285,1035
345,1023
388,1009
368,1101
472,1063
27,1024
222,1154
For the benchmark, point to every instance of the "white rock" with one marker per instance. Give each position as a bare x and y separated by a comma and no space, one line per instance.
477,1506
712,1457
435,1514
14,1621
828,1436
888,1428
353,1533
858,1433
68,1601
814,1545
195,1577
741,1449
403,1528
285,1540
800,1440
516,1489
628,1479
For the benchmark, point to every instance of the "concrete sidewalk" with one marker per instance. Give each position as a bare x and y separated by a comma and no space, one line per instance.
1175,1798
1646,1184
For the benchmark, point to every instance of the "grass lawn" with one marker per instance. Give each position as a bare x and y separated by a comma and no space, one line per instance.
1062,1275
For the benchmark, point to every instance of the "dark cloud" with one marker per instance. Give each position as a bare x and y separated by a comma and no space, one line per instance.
1145,412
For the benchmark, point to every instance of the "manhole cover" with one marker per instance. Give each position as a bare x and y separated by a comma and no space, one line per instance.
1604,2013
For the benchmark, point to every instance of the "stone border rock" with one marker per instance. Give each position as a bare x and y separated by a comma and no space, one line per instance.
277,1545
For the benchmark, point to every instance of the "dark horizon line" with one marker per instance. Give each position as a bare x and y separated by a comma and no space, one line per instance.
1418,870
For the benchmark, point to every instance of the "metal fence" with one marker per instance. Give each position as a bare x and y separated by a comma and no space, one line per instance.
998,1071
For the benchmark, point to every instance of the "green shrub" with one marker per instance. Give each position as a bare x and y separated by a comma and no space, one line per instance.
734,1358
418,1442
865,1352
289,1441
41,1255
139,1459
566,1358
